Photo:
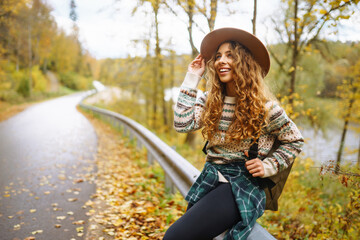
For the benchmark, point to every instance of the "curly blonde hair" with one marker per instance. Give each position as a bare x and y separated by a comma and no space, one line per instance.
251,96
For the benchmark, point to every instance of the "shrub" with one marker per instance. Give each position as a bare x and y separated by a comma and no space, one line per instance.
40,83
24,88
68,79
74,81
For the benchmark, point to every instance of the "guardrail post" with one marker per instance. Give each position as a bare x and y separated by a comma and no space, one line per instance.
139,144
120,126
169,185
150,158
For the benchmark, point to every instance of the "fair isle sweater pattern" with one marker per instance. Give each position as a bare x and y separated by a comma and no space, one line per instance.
191,105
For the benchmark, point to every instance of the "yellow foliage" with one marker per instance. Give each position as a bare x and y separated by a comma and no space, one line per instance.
316,206
40,83
291,69
323,11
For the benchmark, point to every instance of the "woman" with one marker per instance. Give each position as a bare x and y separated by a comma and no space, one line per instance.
235,113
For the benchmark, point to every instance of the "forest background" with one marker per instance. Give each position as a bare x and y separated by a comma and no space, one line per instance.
316,80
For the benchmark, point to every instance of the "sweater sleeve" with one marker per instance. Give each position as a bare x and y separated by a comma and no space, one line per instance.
189,106
289,136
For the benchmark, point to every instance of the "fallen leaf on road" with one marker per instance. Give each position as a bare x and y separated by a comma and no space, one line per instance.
80,180
80,222
36,232
72,199
62,177
29,238
93,227
17,227
18,213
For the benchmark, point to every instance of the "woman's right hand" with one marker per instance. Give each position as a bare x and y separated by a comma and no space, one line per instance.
197,66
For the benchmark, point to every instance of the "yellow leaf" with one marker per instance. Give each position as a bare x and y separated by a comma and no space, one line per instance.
291,69
72,199
62,177
36,232
323,11
80,222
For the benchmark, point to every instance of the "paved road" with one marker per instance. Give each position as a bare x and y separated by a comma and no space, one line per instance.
46,171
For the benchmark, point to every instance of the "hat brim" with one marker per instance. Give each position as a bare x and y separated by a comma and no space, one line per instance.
212,41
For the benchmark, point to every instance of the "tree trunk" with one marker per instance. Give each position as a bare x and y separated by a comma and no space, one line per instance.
358,158
156,76
172,82
343,135
294,55
30,57
190,13
213,12
190,137
159,66
254,17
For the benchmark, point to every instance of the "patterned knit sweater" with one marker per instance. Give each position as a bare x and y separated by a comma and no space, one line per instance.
190,107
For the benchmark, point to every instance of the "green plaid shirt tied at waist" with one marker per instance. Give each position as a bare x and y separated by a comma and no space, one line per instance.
249,197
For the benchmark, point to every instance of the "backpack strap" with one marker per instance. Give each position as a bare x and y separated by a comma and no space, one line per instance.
204,148
253,151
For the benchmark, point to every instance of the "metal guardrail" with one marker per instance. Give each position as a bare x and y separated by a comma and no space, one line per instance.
179,173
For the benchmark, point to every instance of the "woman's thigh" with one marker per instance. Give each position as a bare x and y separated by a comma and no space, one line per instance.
210,216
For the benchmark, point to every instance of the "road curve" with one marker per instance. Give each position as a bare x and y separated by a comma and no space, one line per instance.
46,171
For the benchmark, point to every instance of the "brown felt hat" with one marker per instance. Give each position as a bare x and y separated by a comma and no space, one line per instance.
212,41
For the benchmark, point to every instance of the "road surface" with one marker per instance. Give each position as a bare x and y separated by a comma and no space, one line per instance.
46,171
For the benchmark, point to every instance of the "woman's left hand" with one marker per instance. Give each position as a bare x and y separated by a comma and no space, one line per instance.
255,167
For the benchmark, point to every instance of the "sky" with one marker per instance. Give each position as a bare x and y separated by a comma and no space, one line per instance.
109,31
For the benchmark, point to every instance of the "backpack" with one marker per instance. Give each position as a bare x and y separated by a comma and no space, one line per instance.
272,186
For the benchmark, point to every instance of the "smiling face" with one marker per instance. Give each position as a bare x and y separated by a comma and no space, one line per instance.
224,63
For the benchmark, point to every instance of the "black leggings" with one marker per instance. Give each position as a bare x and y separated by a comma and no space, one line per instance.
209,217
